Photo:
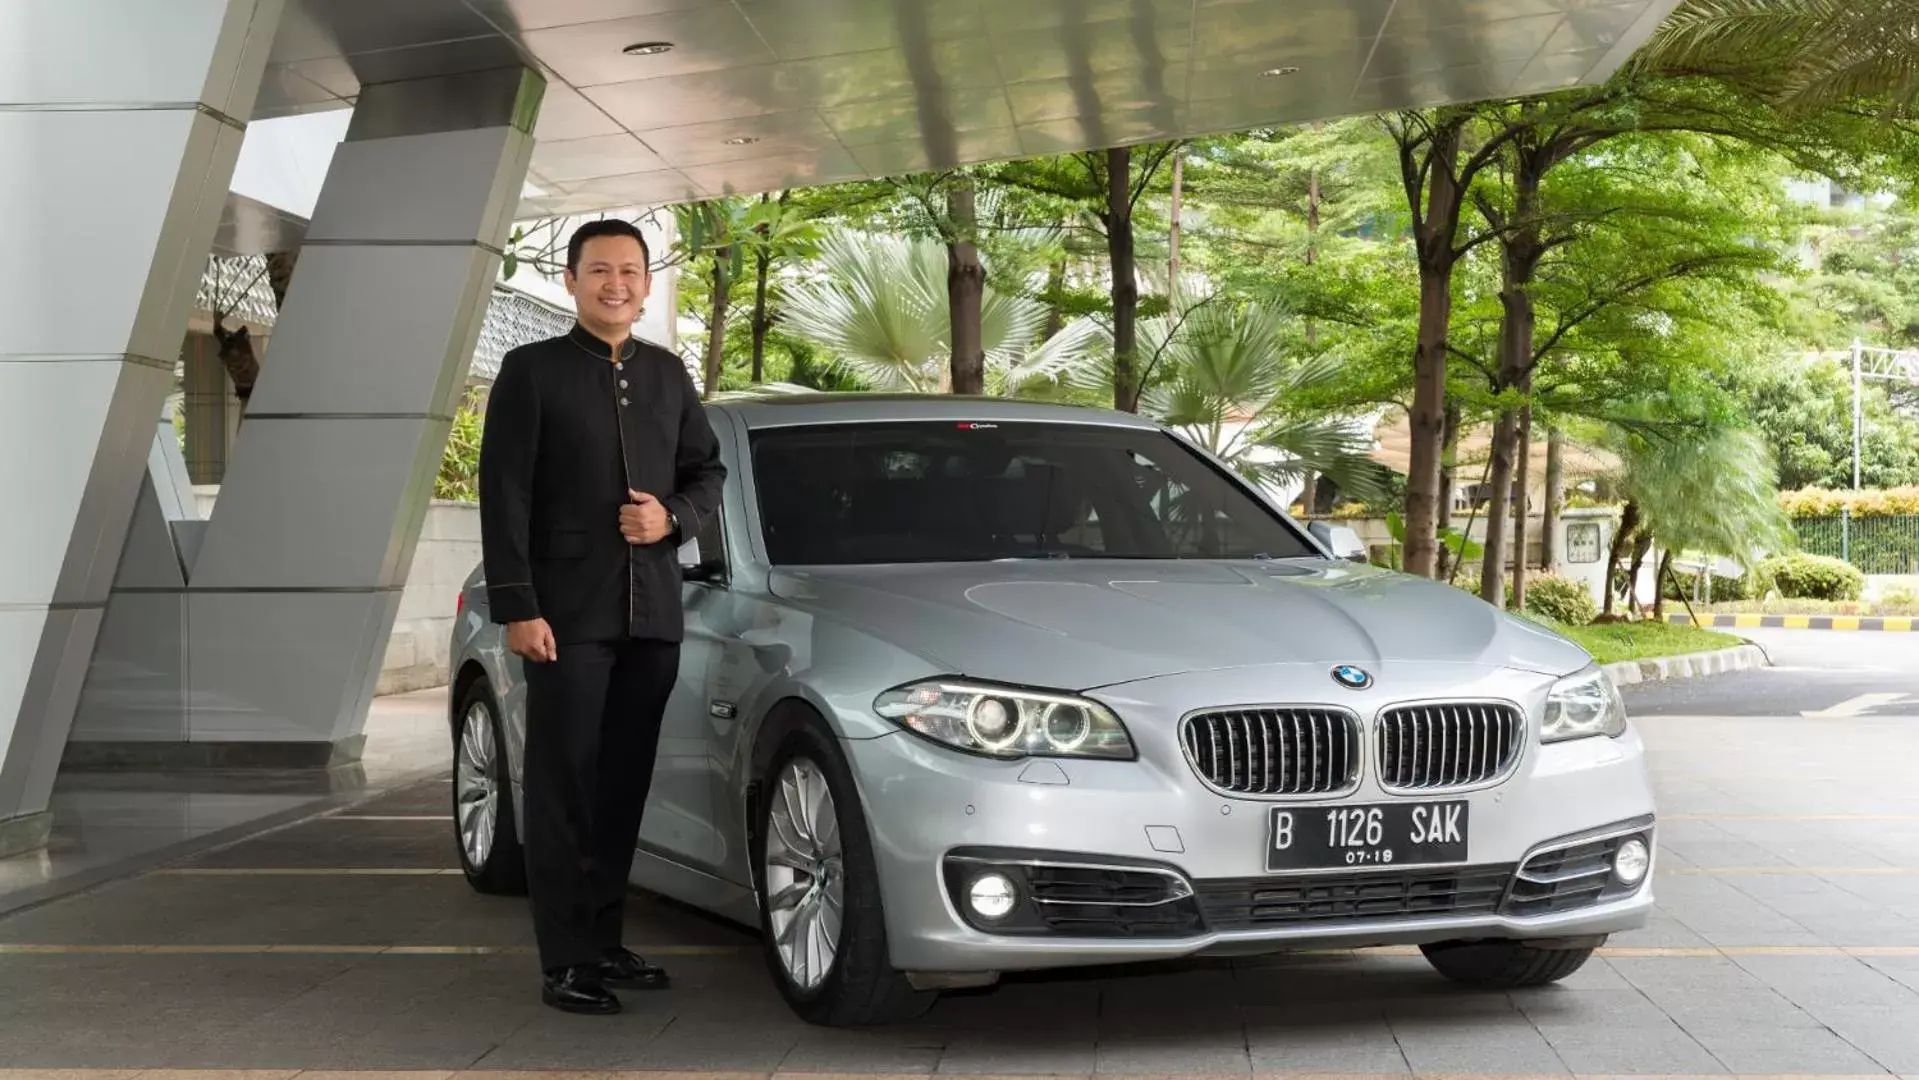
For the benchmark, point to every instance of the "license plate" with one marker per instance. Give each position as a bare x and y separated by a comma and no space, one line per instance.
1377,834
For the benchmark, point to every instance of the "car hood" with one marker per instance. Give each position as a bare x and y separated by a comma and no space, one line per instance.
1079,625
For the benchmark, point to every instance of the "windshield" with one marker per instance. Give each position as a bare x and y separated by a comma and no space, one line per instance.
941,491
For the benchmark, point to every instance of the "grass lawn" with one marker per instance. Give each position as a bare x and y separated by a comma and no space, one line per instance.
1614,642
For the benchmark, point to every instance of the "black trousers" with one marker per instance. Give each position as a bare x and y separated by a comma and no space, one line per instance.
592,735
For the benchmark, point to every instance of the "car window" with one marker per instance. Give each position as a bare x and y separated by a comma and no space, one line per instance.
926,491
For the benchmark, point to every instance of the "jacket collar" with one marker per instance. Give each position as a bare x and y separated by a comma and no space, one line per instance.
584,338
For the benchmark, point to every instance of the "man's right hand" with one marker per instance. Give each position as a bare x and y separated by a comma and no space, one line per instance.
532,640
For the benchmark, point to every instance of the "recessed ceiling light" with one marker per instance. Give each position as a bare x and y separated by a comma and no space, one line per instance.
1276,72
648,48
742,140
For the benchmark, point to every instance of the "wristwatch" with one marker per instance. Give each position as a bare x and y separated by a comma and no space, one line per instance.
672,525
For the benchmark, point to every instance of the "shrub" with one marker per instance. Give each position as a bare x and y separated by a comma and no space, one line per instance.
1723,588
1821,502
1561,599
1813,577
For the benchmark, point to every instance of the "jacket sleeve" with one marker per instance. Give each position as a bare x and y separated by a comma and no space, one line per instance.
698,472
509,448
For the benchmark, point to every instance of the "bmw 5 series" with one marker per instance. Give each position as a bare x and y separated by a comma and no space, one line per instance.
973,687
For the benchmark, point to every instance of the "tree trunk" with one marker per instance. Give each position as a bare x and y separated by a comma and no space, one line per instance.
1555,495
716,326
1125,288
762,320
1520,252
1658,591
1055,298
1309,492
1628,525
1437,255
1172,261
1312,239
1492,569
1448,483
965,289
1522,484
1642,544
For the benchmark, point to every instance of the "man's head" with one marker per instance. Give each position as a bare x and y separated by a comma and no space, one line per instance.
607,274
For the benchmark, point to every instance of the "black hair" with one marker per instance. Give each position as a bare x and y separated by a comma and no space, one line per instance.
603,227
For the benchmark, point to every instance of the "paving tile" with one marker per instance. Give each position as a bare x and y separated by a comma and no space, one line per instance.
897,1053
1205,1053
1022,1052
1357,1046
1889,1036
1639,1050
1483,1046
1763,1049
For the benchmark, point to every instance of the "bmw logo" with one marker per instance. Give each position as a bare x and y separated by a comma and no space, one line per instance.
1352,678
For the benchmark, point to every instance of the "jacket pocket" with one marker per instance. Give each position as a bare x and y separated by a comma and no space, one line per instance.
560,544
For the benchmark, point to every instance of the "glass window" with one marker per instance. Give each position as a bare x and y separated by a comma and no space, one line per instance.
926,491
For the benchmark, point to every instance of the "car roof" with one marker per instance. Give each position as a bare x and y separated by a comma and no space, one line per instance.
789,410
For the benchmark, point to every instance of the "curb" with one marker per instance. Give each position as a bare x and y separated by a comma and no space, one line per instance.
1688,665
1883,623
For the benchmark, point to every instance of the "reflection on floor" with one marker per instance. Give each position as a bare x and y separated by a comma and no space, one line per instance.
108,823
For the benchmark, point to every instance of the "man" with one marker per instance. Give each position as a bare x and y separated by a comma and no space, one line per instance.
596,465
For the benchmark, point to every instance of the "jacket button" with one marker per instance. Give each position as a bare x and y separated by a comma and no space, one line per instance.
622,401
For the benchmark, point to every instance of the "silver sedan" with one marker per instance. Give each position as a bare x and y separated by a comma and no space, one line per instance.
971,687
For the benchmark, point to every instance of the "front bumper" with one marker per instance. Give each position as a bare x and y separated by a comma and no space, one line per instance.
1178,870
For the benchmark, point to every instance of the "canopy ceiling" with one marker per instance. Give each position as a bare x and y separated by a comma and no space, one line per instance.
757,95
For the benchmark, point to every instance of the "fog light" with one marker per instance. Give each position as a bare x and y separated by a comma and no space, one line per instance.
991,896
1631,862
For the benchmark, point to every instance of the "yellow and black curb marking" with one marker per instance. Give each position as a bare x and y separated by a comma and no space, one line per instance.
1886,623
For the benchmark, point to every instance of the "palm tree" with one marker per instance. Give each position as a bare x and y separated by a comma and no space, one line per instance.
1708,492
1223,375
1803,54
878,304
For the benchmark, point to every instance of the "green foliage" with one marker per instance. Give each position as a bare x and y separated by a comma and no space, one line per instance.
1612,643
1812,577
1804,410
1707,491
1561,599
1723,588
1821,503
459,476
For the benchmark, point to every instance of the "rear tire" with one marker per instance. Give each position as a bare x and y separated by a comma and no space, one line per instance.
1503,965
483,823
856,984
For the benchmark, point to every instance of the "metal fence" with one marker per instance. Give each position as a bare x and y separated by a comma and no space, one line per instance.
1876,545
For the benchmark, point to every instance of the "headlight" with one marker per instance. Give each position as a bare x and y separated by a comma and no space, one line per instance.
1583,705
1006,723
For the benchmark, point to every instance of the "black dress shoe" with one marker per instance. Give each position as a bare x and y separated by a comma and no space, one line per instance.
579,989
624,968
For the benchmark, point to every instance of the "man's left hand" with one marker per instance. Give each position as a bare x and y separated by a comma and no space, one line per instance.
643,521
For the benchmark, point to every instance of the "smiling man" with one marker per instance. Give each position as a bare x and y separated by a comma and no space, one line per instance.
596,464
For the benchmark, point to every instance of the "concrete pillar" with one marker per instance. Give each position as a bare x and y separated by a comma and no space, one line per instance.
120,121
291,596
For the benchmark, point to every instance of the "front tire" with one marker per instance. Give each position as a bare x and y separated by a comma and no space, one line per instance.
821,916
483,825
1503,965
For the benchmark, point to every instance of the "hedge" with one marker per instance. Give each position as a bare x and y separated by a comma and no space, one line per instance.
1820,502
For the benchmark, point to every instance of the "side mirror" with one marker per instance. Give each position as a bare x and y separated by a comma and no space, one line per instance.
690,553
1342,540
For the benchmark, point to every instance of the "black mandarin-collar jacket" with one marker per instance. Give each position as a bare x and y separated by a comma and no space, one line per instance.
568,430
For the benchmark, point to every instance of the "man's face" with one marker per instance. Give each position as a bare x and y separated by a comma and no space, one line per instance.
611,282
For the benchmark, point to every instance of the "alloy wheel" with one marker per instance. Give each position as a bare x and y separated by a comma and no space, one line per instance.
805,873
479,793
